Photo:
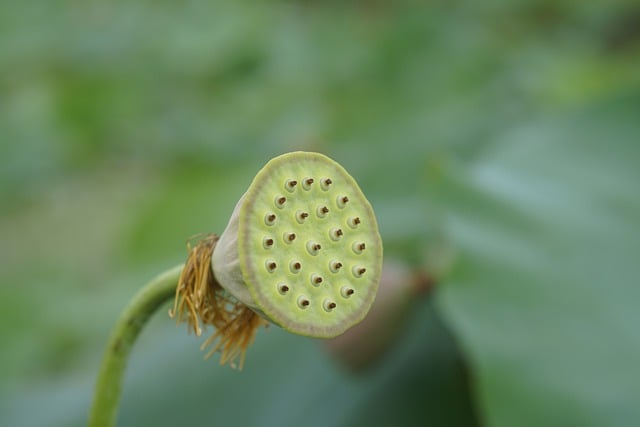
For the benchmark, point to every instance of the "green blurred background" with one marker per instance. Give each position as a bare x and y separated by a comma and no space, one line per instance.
498,141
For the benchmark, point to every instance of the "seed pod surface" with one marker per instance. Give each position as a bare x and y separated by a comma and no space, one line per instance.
326,222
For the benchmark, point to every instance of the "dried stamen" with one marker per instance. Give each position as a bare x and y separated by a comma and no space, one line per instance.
200,298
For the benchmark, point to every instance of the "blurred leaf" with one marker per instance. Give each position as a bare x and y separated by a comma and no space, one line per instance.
545,294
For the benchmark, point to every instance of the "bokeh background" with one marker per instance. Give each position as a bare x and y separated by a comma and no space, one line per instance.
498,141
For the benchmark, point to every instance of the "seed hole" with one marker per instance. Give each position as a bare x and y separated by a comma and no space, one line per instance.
280,201
306,183
301,216
316,279
325,183
322,211
346,291
303,302
289,237
335,234
354,221
342,201
359,271
290,185
295,266
313,247
271,266
267,242
283,289
328,305
335,266
358,247
270,219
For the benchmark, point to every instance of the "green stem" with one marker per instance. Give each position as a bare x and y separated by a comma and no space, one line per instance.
109,384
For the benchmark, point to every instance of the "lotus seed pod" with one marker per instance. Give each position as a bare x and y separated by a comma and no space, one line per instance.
302,247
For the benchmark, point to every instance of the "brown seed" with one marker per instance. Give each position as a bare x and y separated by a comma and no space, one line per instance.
322,211
335,266
326,183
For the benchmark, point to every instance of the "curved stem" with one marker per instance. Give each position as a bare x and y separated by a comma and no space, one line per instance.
109,384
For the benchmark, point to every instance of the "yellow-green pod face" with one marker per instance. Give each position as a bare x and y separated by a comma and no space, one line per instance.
308,245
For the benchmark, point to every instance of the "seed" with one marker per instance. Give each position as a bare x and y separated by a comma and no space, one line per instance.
342,201
335,233
295,266
322,211
301,216
303,302
269,219
306,183
358,247
353,222
358,271
346,291
271,266
283,289
335,266
326,183
313,247
328,305
290,185
280,201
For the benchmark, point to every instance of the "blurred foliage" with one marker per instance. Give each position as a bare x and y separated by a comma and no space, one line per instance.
506,133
